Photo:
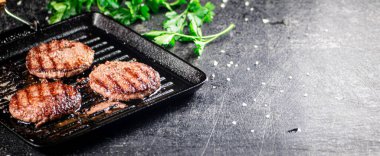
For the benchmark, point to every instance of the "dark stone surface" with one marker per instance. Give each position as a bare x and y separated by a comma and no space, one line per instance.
318,72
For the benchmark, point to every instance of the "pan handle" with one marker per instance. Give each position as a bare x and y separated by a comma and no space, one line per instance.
33,25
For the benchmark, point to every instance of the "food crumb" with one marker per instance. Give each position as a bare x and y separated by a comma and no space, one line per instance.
215,63
234,122
222,5
265,21
244,104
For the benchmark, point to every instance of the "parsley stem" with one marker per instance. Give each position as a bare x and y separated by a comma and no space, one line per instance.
215,36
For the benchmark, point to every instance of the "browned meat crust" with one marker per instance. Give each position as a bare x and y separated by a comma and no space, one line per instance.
59,58
40,103
124,80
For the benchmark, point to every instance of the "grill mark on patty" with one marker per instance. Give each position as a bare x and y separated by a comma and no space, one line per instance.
149,78
115,83
100,83
137,75
133,84
151,73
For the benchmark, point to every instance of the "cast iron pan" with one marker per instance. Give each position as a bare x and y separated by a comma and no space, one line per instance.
111,41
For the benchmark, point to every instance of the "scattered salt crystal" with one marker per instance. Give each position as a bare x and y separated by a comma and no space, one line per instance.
265,20
213,87
246,3
228,65
255,46
252,130
307,74
267,116
248,69
252,9
305,95
246,19
254,100
234,122
213,75
215,63
222,51
263,83
19,3
244,104
222,5
231,62
257,62
236,65
228,79
225,1
290,77
281,91
265,105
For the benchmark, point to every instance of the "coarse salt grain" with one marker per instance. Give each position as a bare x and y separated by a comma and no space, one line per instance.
215,63
228,65
246,3
225,1
213,75
254,100
265,20
246,19
267,116
244,104
255,46
228,79
234,122
257,62
308,74
222,51
248,69
222,5
231,62
252,130
281,91
290,77
252,9
19,3
213,87
305,94
236,65
263,83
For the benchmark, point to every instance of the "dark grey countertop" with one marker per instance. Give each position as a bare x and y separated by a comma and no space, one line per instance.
318,72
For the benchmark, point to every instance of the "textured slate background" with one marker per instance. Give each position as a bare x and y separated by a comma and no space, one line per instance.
317,72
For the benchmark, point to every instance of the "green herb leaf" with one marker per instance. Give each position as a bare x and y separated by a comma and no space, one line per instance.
166,40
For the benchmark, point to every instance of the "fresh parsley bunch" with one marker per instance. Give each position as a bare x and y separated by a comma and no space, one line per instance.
183,27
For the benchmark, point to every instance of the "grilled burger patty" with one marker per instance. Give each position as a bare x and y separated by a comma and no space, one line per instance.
124,80
59,58
40,103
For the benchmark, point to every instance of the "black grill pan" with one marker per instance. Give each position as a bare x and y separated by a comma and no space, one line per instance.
111,41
